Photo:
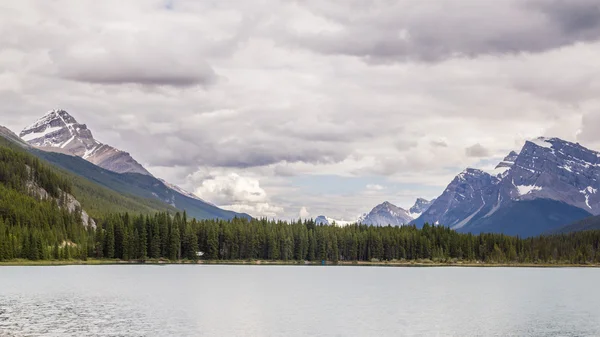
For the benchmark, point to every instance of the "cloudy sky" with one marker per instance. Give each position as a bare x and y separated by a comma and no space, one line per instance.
289,108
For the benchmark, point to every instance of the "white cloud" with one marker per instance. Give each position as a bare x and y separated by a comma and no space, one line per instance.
236,193
374,187
304,213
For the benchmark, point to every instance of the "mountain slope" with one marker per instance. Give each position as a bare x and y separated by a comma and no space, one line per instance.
97,200
139,185
37,209
548,169
527,218
587,224
386,214
470,193
58,131
60,139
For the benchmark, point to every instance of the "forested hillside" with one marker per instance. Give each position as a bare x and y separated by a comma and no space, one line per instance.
35,220
33,211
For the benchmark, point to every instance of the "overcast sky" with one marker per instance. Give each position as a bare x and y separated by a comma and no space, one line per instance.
289,108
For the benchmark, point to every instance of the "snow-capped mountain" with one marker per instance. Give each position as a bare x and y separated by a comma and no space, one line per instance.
325,220
550,181
387,214
58,131
420,206
322,220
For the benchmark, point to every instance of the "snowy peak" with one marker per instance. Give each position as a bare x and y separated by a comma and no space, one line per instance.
552,168
420,206
544,169
387,214
322,220
58,131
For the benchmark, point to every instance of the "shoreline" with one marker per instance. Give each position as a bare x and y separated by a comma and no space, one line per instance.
471,264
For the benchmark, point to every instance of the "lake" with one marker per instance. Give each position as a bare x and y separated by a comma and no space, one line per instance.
298,301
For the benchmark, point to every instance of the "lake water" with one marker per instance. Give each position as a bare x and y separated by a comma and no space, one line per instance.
297,301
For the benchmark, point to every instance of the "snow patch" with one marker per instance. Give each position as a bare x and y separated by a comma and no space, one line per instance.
589,190
566,167
467,219
414,215
495,208
67,142
31,136
526,189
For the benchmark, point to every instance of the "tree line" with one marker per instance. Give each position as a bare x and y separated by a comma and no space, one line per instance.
174,237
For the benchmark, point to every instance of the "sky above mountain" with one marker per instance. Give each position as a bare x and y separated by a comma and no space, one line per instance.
289,108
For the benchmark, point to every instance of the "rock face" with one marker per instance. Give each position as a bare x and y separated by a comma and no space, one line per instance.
387,214
68,201
58,131
545,170
420,206
508,161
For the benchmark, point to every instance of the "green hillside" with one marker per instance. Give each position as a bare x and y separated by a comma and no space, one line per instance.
94,198
138,185
31,221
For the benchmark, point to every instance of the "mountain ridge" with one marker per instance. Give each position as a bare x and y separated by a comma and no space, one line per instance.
548,169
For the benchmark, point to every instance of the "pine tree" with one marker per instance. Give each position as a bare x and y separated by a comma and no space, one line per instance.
174,243
109,240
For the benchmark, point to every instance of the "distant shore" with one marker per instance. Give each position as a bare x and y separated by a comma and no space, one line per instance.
416,263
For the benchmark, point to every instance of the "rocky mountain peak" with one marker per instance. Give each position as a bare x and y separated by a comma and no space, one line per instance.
420,206
508,161
545,170
385,214
58,131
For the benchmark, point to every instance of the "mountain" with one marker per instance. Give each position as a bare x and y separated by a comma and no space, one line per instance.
322,220
548,173
420,206
59,139
138,185
58,131
508,161
386,214
95,199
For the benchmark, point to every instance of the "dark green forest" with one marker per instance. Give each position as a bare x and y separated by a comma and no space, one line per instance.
36,226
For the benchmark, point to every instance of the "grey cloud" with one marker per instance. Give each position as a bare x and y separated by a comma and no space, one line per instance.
126,74
405,144
477,150
590,127
431,31
576,17
439,143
